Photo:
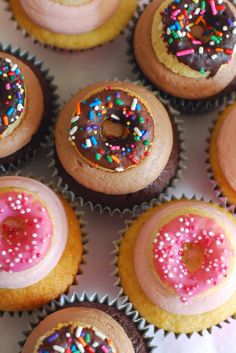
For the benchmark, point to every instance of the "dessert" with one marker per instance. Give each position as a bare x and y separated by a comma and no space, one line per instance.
177,265
40,241
122,143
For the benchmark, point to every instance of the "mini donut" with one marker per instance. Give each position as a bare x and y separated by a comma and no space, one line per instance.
35,241
177,265
187,47
123,145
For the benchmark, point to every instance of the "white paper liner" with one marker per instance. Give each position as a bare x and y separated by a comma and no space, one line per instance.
84,236
223,200
61,185
54,105
184,106
65,300
114,263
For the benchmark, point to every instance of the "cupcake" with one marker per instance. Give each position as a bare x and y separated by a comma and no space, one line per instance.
73,24
177,265
27,107
122,145
88,326
222,158
186,48
40,242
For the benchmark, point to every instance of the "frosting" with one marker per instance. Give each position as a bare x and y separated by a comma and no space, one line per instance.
129,135
76,329
31,242
69,19
12,93
184,257
132,179
73,337
201,34
226,145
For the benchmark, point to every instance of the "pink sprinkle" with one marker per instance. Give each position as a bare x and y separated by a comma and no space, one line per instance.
185,52
176,12
8,86
213,7
115,148
194,41
104,349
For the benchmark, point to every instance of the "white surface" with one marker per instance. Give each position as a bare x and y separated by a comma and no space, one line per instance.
73,71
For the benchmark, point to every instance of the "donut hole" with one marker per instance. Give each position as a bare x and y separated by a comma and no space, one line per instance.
193,256
111,130
11,226
199,32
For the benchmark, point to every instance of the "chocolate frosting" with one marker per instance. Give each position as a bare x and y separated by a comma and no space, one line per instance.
214,47
12,93
129,135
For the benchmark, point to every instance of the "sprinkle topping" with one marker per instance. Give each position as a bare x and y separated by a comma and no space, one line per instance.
191,254
12,93
71,338
25,231
201,34
112,129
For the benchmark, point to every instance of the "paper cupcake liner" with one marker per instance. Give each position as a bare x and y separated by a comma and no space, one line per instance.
184,106
115,273
26,153
63,186
66,301
84,236
25,34
223,200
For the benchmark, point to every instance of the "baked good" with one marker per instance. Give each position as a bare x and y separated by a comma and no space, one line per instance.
222,147
78,24
93,327
123,146
186,48
27,103
177,265
40,241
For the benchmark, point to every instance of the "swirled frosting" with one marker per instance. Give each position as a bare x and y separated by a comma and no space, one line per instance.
74,19
185,257
226,145
31,242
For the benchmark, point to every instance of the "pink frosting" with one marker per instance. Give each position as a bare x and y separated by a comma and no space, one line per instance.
64,19
31,242
226,148
163,275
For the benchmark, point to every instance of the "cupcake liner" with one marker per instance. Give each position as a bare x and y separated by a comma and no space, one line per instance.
84,236
25,34
117,283
26,153
62,185
66,301
223,200
184,106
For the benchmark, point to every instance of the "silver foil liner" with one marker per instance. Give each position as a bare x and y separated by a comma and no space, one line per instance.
184,106
117,283
38,64
123,32
215,186
79,214
63,186
66,301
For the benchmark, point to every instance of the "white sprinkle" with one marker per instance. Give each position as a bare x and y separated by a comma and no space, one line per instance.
168,32
134,103
88,143
14,67
115,117
225,28
78,331
214,56
81,348
138,132
234,31
179,33
58,349
73,130
100,335
74,119
19,107
119,169
8,60
200,50
234,23
95,344
212,43
220,2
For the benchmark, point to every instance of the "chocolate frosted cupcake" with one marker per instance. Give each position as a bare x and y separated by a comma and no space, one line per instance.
186,49
88,326
26,109
123,145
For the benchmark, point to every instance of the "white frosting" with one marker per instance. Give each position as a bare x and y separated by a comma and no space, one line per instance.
226,145
64,19
55,208
160,294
